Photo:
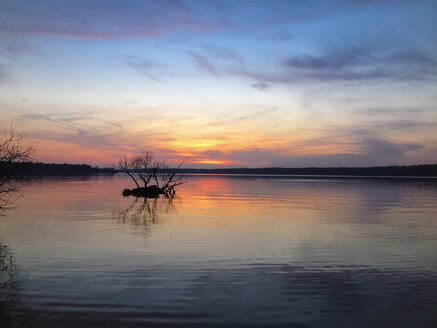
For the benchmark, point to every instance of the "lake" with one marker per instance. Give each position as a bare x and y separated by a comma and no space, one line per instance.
228,251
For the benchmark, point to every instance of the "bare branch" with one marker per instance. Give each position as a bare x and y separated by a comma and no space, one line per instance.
14,151
124,166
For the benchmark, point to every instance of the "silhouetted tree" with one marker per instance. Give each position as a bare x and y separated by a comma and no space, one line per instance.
14,150
152,177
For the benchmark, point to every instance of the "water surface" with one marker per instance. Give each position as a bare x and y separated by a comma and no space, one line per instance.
235,251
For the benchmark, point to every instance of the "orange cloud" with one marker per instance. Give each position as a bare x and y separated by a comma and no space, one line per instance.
213,161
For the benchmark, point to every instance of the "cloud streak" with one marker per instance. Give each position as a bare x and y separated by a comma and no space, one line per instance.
368,151
203,63
251,116
98,19
4,75
145,67
352,65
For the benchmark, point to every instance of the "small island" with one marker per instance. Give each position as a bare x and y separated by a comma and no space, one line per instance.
151,177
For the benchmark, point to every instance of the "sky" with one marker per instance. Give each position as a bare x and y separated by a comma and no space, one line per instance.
222,83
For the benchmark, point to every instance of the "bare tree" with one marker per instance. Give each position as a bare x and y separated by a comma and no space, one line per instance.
152,177
124,166
170,180
14,150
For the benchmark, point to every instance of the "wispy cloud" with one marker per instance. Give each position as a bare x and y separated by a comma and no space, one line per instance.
261,85
350,65
216,60
364,64
380,122
144,67
239,118
74,130
14,50
404,125
368,151
4,75
224,53
372,111
64,119
203,63
377,148
98,19
93,133
335,61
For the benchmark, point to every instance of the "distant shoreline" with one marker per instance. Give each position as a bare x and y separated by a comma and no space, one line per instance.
309,176
428,170
31,169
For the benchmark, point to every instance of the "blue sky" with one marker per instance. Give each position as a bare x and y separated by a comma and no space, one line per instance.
233,83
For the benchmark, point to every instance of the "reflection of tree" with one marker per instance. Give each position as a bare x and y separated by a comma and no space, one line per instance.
145,211
9,299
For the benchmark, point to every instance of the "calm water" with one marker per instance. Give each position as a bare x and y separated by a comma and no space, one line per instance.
227,252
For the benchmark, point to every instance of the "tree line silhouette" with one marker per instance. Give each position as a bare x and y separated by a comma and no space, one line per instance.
52,169
429,170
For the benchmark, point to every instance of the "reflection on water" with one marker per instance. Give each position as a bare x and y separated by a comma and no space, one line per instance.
9,290
227,251
145,211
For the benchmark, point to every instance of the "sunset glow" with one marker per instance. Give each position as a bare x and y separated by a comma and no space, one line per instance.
222,83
